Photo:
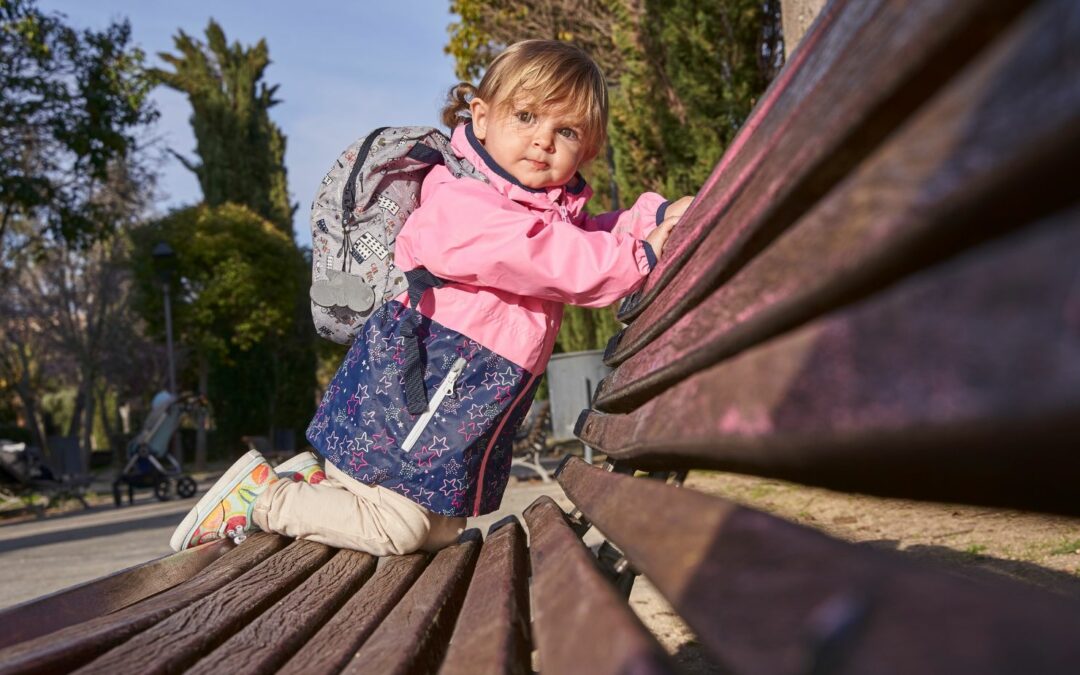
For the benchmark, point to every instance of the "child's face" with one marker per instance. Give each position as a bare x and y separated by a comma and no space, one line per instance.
539,146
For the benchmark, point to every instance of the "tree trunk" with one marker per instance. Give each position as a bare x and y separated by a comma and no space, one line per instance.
797,16
200,416
29,403
86,442
112,431
77,413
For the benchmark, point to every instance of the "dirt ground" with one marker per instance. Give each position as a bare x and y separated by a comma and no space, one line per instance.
1037,549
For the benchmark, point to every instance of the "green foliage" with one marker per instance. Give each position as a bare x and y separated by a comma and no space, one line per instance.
486,27
254,320
242,152
691,74
73,103
239,284
587,328
236,277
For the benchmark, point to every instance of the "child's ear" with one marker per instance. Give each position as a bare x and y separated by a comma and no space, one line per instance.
478,108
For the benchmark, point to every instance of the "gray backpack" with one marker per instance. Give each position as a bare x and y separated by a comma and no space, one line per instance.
357,214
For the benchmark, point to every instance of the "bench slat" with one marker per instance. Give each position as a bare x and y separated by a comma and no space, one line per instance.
492,633
77,644
884,72
269,641
580,623
177,642
970,164
339,639
101,596
767,596
413,637
950,386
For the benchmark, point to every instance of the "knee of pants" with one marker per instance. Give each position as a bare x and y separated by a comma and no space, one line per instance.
407,535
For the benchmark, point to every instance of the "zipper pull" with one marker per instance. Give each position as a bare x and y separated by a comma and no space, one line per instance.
455,371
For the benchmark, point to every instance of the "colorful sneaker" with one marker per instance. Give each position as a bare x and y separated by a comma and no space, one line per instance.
303,468
225,511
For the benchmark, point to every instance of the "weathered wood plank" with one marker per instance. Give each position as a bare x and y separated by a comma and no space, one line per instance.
272,639
179,641
492,633
970,164
571,600
954,385
71,647
101,596
768,596
886,71
413,637
340,638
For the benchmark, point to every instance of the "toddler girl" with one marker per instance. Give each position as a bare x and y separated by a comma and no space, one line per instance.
491,264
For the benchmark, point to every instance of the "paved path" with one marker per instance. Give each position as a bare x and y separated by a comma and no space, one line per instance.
43,556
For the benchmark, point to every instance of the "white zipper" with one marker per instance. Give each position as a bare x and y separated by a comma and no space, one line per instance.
445,387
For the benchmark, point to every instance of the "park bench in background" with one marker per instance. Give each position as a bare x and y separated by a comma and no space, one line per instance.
877,291
25,472
530,442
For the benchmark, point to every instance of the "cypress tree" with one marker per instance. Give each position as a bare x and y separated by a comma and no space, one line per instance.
267,383
241,151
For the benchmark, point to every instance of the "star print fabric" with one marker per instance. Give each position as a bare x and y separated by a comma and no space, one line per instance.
460,461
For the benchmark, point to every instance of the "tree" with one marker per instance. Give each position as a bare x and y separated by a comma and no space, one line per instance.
691,74
486,27
238,277
266,380
68,325
241,151
71,105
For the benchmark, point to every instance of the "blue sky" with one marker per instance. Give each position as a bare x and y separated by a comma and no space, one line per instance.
343,68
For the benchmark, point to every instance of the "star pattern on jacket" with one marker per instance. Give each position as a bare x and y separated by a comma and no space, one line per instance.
359,429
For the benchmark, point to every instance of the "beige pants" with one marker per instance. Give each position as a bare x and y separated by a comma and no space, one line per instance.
343,512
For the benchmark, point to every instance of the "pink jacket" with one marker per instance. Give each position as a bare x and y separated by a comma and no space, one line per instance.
514,255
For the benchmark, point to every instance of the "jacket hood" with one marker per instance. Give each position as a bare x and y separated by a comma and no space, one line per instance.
468,146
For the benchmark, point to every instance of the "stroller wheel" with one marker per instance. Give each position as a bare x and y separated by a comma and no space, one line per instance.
162,488
186,487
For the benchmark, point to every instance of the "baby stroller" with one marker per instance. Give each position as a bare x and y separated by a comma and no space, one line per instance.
150,465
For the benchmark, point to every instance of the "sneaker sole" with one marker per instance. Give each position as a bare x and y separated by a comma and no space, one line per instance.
224,485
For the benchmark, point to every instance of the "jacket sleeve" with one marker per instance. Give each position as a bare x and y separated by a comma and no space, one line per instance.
637,221
464,233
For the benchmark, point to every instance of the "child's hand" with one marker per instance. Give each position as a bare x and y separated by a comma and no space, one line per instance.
678,207
658,237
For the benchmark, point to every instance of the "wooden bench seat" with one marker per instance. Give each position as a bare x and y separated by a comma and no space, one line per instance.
877,291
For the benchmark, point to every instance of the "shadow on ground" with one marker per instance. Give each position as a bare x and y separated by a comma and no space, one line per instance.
89,532
981,567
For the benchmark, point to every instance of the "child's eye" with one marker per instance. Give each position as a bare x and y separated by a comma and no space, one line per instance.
524,116
567,132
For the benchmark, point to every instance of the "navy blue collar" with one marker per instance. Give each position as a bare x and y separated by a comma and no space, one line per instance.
482,151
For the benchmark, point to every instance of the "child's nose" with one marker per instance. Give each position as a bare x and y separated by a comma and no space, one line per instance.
545,140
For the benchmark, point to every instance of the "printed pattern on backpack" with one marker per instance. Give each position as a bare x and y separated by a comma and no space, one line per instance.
361,206
453,460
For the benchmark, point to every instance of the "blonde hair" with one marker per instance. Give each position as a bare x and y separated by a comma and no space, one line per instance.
539,72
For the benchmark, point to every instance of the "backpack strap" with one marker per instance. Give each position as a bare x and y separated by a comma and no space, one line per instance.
420,280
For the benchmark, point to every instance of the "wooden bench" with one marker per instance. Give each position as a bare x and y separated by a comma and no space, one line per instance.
877,291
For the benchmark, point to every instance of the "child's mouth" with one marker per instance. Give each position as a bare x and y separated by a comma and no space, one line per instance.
537,165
